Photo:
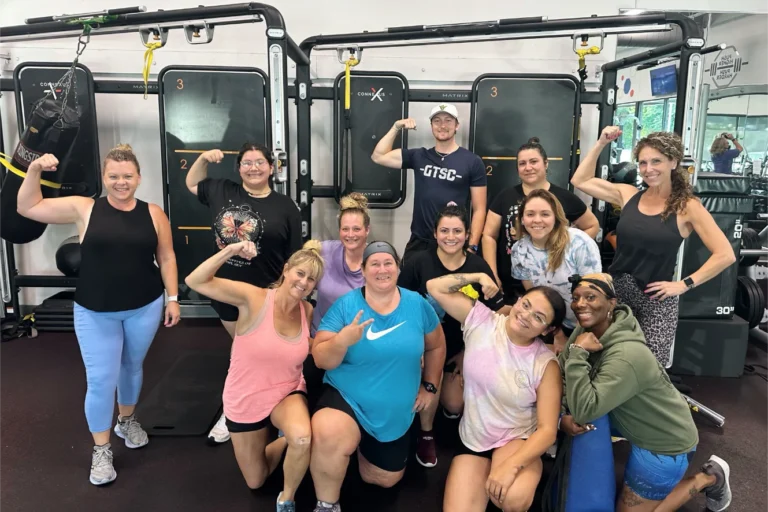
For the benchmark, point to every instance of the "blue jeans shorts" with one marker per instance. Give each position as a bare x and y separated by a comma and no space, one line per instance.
653,476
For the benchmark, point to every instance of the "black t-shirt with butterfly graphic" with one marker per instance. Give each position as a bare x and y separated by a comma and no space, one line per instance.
272,223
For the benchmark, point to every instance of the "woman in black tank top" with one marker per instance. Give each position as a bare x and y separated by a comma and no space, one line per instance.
127,261
652,226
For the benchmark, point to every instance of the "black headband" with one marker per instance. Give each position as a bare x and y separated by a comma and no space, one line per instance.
604,287
376,247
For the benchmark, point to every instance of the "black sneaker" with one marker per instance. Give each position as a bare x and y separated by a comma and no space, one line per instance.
719,494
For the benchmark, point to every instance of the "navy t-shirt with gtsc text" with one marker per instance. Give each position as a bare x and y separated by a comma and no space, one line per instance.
438,181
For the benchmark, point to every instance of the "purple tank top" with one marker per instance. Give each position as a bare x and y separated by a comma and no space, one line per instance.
337,279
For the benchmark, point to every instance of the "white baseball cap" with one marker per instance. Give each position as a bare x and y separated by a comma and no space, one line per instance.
444,107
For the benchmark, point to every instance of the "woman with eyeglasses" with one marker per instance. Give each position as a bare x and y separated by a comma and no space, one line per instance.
249,211
512,393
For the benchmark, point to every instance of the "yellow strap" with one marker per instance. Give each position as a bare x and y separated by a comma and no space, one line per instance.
351,62
5,160
594,50
151,47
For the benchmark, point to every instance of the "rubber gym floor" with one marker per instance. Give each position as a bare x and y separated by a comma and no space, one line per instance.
45,454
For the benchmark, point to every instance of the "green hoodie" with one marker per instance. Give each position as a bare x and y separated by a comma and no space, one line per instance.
626,381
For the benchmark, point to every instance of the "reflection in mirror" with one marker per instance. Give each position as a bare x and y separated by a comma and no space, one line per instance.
736,136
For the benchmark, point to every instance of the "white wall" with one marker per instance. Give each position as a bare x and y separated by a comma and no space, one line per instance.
130,118
752,105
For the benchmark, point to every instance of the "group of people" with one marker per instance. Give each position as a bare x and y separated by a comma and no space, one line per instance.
529,339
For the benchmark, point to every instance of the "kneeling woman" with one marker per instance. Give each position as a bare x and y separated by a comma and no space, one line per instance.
512,394
265,383
371,342
610,370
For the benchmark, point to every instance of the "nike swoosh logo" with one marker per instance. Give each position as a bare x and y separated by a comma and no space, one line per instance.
376,335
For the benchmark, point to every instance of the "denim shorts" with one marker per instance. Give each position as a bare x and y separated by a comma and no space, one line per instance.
653,476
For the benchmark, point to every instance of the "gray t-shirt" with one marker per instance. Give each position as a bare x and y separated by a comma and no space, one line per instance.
582,256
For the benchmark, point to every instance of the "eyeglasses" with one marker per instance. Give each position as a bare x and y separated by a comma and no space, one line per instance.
536,317
248,163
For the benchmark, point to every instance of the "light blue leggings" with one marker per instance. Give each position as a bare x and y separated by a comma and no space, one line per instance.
113,346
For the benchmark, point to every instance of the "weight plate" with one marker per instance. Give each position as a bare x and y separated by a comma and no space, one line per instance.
749,240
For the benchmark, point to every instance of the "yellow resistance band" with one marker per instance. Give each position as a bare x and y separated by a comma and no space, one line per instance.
151,47
351,62
6,161
470,292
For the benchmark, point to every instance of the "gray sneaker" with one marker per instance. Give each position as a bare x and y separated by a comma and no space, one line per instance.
102,470
129,429
719,494
285,506
323,506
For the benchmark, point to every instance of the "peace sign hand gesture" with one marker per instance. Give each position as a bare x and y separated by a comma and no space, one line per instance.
353,332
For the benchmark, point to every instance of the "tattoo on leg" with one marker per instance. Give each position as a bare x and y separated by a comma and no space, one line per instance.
630,499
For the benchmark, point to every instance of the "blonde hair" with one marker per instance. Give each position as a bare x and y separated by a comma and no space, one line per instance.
719,145
671,146
354,203
559,238
121,153
309,254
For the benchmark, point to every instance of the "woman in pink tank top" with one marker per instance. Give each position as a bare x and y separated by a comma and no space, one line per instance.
265,384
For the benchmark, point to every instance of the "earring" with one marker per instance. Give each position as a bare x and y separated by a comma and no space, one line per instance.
610,315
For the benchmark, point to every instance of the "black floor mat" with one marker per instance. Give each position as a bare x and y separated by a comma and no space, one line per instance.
187,400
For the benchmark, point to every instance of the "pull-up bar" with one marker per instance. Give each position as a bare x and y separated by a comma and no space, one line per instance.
232,14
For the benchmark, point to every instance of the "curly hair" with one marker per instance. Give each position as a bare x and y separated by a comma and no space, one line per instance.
671,146
355,203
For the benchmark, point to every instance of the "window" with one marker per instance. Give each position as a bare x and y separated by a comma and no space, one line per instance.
626,120
651,117
669,122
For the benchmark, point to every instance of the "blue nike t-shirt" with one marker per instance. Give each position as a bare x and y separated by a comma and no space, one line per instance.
380,375
438,181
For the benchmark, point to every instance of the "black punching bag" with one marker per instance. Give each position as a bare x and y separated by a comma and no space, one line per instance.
51,128
68,256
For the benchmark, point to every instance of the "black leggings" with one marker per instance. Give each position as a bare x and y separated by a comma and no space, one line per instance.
657,318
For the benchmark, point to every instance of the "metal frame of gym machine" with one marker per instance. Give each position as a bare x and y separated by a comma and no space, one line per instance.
280,46
690,50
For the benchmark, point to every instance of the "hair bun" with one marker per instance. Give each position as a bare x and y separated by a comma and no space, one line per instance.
124,147
355,200
534,140
312,245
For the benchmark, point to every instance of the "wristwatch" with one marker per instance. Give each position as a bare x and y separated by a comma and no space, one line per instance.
688,283
429,387
474,248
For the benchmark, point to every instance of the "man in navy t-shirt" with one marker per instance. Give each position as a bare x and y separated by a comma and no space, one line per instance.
444,173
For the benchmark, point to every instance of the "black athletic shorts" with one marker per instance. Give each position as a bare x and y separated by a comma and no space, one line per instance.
234,426
226,312
462,449
391,456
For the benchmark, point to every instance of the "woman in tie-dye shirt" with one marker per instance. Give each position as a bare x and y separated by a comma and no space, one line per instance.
512,393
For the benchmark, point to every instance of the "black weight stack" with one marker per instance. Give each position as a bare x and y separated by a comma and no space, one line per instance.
56,313
728,199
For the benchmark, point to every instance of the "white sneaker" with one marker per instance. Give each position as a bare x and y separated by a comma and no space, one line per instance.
219,433
102,468
130,430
